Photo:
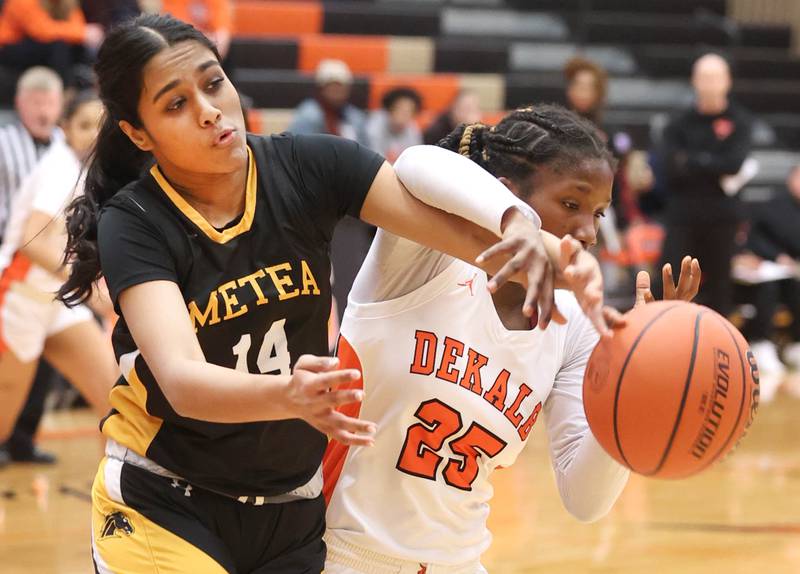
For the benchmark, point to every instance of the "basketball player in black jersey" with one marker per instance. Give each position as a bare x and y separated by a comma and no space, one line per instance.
214,246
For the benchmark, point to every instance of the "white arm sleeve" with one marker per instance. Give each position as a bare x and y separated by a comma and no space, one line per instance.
457,185
445,180
589,480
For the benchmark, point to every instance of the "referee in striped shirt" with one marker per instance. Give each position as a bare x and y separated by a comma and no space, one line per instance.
38,102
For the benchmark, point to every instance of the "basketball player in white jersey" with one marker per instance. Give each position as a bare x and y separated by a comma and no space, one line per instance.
454,375
32,322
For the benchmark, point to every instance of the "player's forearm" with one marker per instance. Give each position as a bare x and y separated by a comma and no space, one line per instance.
46,252
457,237
390,206
207,392
591,481
483,205
454,184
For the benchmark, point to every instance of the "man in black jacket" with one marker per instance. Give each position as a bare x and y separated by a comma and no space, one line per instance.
775,236
703,144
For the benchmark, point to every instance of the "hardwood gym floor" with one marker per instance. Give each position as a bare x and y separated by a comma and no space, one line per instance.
742,516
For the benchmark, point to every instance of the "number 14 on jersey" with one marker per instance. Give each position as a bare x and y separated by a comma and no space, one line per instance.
273,356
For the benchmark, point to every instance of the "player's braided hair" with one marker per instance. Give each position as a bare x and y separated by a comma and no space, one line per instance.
528,138
115,160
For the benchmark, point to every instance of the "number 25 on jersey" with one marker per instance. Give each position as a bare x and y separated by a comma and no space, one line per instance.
419,457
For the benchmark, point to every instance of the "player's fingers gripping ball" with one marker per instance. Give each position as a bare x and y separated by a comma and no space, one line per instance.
672,391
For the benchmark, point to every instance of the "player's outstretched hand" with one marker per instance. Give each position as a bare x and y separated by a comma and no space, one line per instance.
314,393
580,273
686,290
522,244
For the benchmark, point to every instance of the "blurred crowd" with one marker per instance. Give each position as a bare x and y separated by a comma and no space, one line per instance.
679,196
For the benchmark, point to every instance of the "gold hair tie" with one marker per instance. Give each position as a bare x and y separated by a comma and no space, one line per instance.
466,139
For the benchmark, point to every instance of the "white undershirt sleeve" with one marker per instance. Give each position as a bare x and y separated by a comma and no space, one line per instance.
589,480
457,185
395,267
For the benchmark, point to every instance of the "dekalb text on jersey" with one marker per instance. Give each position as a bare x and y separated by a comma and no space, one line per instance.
424,363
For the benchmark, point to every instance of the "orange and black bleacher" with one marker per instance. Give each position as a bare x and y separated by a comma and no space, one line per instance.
383,38
511,52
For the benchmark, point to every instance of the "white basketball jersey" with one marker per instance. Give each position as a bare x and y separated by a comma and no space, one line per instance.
454,395
49,188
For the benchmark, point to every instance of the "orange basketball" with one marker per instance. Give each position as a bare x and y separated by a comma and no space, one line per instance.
672,391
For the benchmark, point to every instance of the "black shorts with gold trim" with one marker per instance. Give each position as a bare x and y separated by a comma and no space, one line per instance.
143,523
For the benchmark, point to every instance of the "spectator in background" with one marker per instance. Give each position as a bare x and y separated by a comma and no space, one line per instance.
587,86
50,33
213,17
393,128
775,236
38,102
702,144
465,109
586,90
633,179
35,323
331,112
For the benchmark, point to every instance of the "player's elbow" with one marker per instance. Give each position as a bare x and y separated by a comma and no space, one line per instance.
408,156
414,158
587,512
182,403
589,503
176,390
179,404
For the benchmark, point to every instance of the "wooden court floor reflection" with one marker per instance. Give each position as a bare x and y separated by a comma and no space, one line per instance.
742,516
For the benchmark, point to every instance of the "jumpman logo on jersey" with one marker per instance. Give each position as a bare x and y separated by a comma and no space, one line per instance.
469,283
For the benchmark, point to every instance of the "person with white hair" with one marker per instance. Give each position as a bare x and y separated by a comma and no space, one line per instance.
38,103
703,144
32,269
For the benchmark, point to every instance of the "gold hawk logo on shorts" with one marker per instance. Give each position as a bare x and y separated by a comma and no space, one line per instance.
116,524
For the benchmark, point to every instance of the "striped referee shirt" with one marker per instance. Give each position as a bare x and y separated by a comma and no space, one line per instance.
19,153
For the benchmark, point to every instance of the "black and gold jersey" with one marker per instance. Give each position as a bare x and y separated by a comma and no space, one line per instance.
257,291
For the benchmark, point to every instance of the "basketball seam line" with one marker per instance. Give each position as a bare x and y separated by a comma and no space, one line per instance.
622,375
686,386
741,402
